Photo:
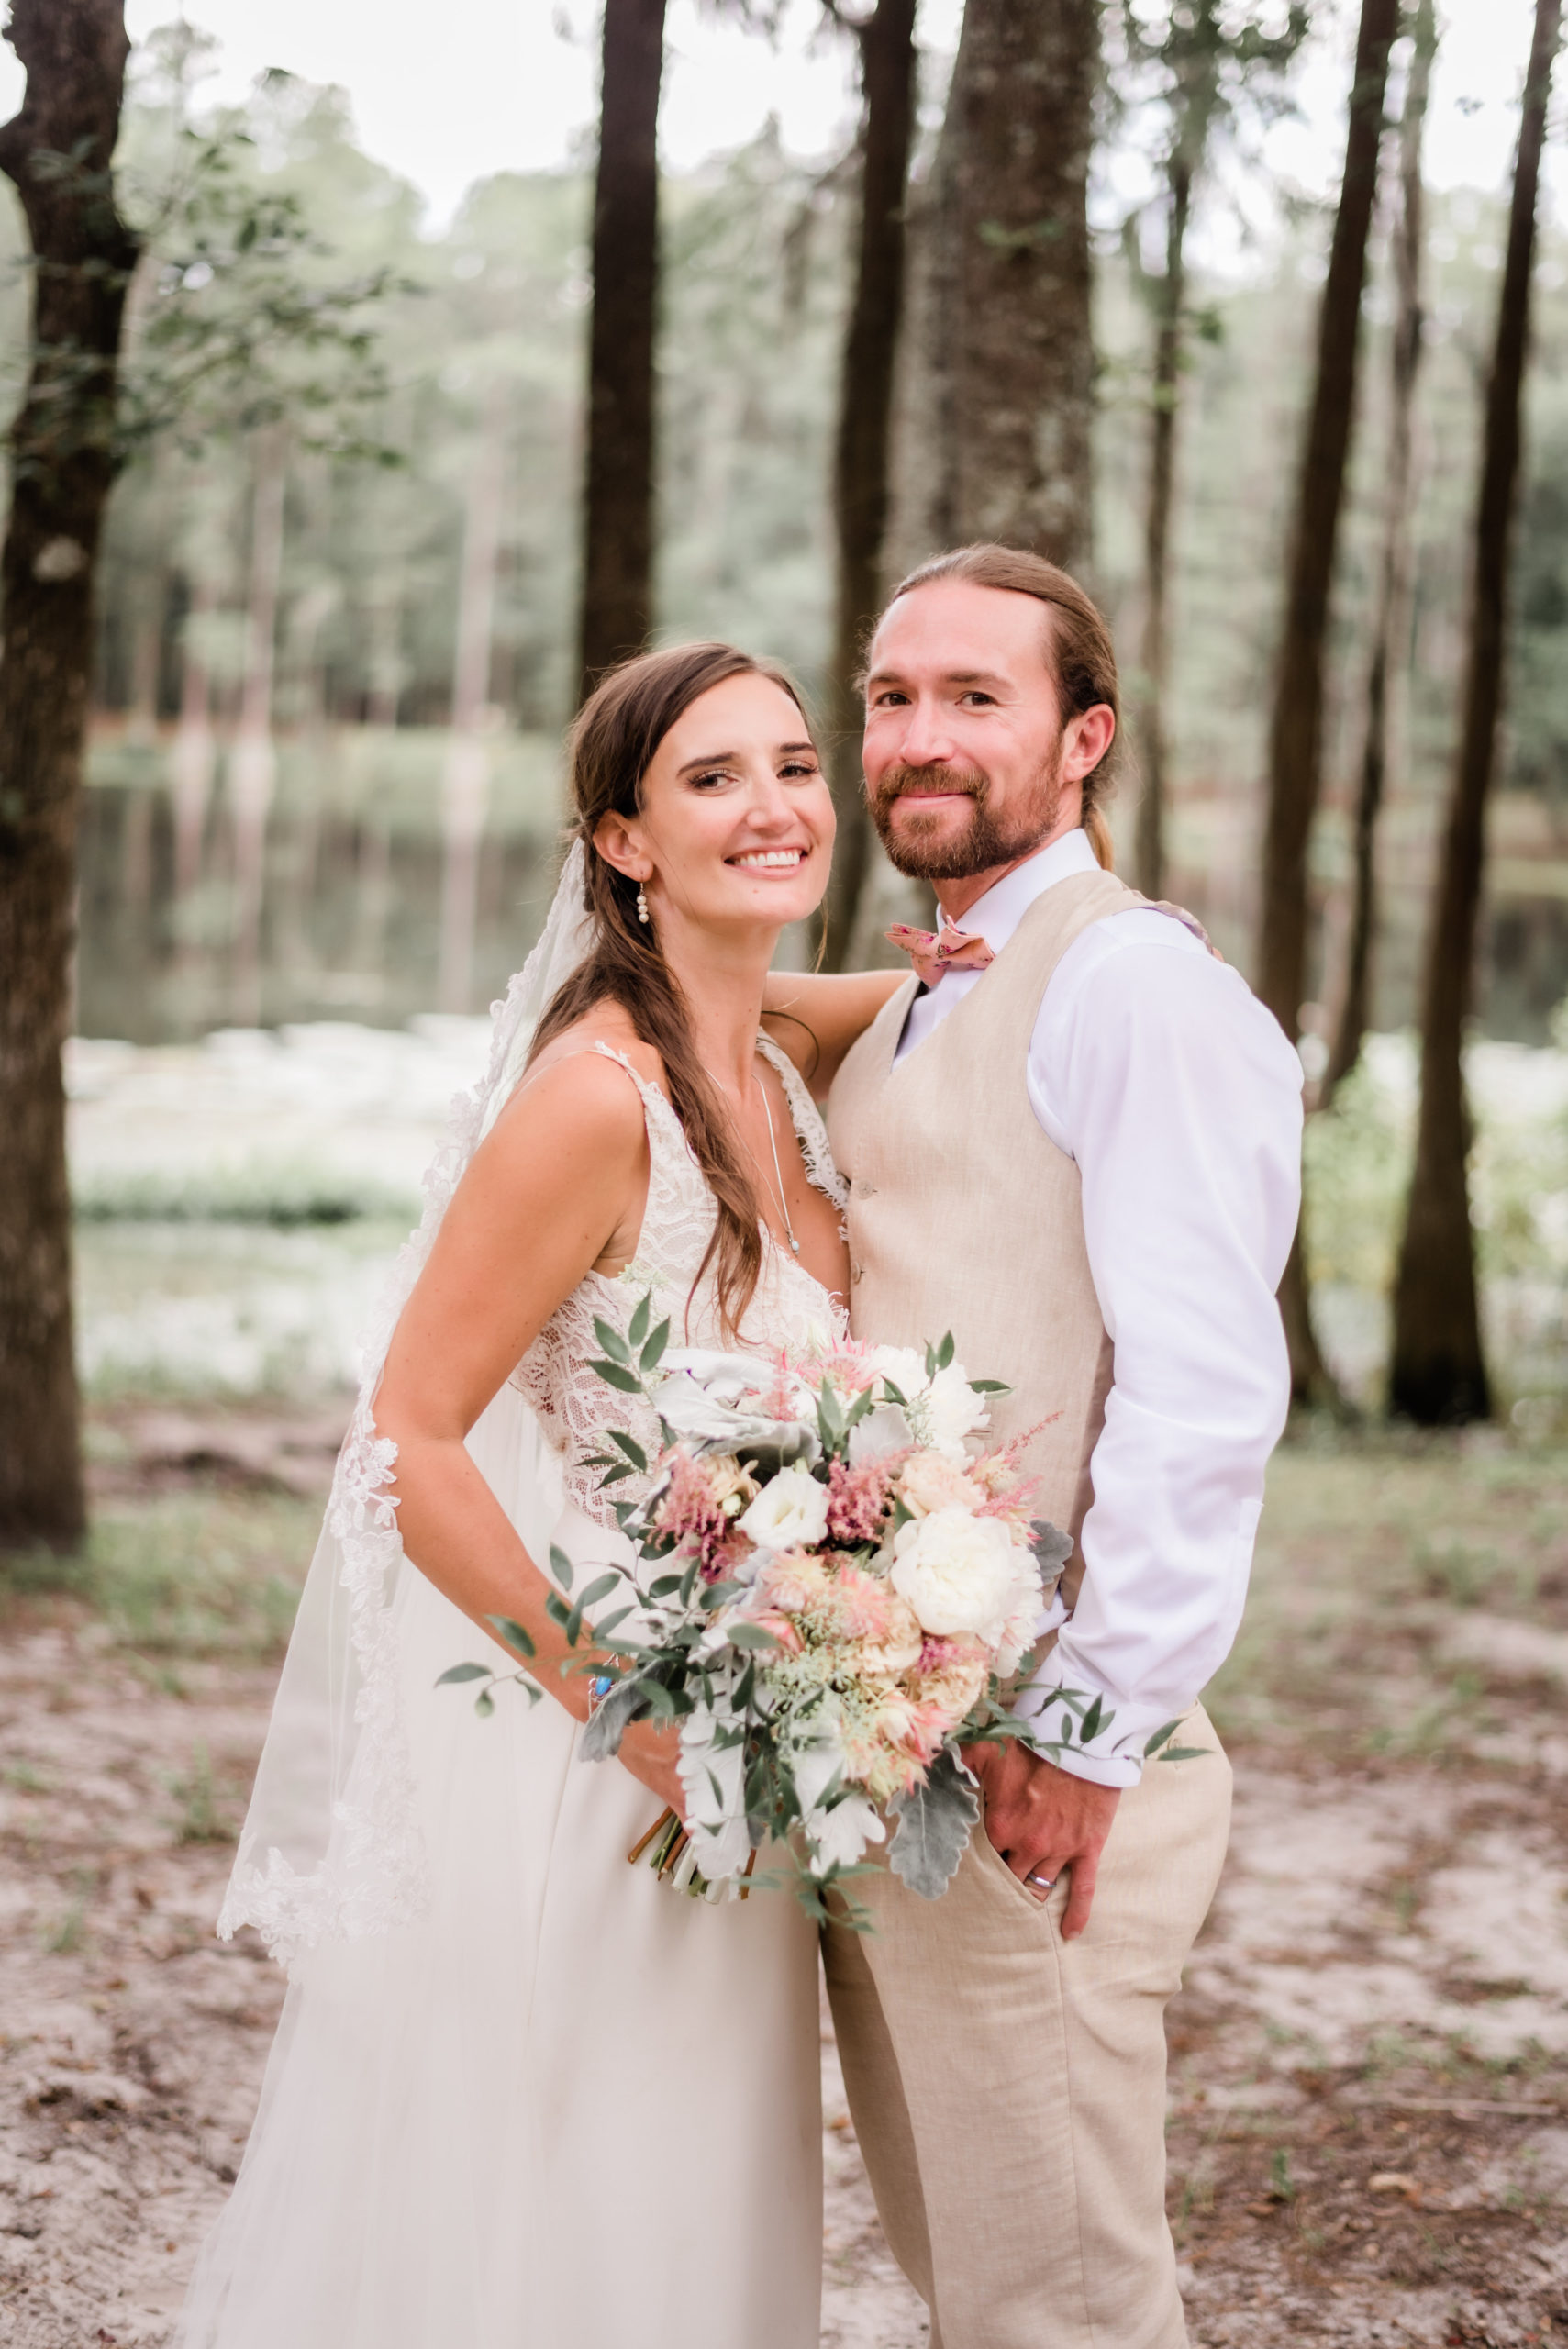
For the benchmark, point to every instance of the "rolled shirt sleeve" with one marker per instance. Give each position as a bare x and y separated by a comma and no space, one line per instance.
1157,1070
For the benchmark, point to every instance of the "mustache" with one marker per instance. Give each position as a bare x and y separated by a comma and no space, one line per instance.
926,783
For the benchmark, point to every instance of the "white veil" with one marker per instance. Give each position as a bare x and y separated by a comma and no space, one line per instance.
332,1848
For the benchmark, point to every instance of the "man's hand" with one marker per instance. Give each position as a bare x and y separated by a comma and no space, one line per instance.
1042,1819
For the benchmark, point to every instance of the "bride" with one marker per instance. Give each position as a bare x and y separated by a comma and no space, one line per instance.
524,2095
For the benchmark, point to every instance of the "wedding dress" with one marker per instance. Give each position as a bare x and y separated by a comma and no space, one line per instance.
523,2095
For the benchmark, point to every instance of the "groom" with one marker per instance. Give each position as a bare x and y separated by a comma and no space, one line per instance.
1072,1138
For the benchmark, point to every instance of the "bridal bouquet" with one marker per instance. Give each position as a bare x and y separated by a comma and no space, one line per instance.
832,1584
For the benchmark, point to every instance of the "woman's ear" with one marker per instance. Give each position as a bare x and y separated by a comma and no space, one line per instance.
618,841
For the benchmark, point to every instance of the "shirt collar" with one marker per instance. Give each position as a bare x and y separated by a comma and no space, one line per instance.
997,913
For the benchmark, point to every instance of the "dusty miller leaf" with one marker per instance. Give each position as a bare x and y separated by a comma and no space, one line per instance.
933,1827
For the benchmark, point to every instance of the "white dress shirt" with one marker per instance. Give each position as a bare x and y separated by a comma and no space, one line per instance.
1156,1069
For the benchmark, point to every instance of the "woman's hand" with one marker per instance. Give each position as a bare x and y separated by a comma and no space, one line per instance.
651,1753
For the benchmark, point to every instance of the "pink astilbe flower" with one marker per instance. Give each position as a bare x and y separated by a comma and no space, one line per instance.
857,1501
692,1510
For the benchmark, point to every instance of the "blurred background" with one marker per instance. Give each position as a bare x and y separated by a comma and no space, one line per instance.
461,353
277,793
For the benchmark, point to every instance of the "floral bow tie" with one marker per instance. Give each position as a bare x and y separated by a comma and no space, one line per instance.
933,953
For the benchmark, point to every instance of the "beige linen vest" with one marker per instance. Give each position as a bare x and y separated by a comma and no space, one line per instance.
965,1216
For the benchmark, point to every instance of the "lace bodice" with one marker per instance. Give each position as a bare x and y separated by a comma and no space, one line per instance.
790,1307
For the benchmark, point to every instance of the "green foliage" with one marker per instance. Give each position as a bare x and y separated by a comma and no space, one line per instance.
179,1576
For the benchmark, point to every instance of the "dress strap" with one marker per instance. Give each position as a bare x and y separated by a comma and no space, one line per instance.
811,1131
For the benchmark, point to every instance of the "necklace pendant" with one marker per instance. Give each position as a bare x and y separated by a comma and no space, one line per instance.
795,1243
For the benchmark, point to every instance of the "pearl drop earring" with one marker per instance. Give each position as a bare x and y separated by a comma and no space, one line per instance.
642,905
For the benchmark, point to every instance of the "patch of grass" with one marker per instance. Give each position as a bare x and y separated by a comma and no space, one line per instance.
63,1937
200,1818
188,1574
1370,1543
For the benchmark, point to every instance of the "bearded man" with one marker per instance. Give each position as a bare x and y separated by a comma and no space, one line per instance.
1072,1138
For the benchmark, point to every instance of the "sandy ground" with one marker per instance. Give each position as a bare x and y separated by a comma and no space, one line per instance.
1369,2126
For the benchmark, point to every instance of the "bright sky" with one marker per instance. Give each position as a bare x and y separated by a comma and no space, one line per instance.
448,95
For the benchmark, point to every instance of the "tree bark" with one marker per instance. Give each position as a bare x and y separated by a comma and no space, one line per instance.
63,465
860,466
1295,737
253,767
1156,664
618,499
1002,401
1394,585
1438,1375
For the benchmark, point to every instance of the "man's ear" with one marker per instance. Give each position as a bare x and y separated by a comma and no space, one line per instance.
618,841
1089,736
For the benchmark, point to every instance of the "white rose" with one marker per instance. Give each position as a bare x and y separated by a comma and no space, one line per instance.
789,1513
952,1410
902,1366
960,1572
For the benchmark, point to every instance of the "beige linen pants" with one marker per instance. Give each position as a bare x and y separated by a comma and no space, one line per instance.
1008,2087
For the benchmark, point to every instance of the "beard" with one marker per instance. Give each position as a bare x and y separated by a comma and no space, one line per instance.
926,850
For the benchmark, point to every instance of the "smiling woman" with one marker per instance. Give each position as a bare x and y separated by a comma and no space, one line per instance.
472,1953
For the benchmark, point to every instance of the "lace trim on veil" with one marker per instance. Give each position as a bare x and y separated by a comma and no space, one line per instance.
367,1871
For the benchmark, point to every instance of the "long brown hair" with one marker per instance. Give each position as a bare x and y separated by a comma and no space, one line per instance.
610,749
1079,650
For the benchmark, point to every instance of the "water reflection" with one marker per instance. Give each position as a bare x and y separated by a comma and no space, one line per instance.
194,917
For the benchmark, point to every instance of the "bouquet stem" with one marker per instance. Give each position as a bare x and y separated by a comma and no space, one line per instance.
668,1846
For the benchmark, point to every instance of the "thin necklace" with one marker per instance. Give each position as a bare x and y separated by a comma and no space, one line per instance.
777,1187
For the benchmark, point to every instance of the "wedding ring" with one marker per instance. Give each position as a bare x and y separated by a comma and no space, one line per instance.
1042,1883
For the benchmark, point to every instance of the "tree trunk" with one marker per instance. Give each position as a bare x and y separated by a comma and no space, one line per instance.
62,463
1393,594
252,766
194,754
1002,401
465,782
1296,739
1156,664
1438,1375
617,500
865,411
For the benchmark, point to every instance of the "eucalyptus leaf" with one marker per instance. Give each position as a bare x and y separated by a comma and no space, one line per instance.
483,1704
610,1338
1090,1725
560,1565
654,1351
464,1672
934,1823
514,1634
637,1327
614,1373
1183,1753
751,1635
1161,1737
632,1449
